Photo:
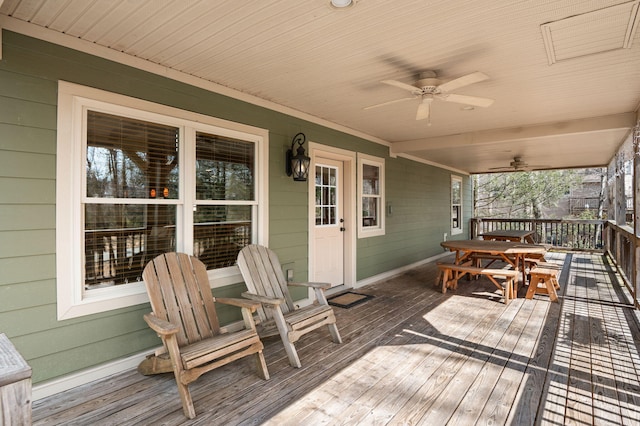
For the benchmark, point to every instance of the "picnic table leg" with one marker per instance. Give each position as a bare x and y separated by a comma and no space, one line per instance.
520,265
445,280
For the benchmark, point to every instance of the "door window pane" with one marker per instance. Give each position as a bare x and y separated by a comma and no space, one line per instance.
326,195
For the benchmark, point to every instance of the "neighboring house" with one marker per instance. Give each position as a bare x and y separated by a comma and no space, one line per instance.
582,199
103,165
585,197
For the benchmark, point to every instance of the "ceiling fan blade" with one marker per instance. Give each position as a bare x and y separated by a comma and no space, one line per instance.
468,100
424,110
465,80
401,85
389,103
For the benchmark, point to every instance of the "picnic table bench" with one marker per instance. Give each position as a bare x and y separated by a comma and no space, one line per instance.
451,273
544,279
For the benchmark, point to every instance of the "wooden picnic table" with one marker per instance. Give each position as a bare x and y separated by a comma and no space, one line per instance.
513,253
516,235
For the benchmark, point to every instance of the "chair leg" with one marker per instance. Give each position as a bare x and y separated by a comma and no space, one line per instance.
179,373
335,334
290,349
261,366
187,402
283,330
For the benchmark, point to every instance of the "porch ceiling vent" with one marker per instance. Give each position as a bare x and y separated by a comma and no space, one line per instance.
598,31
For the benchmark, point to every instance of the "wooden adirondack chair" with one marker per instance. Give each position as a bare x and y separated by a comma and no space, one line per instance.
266,284
184,316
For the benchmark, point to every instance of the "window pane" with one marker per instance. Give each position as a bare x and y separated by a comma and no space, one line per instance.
370,179
121,238
370,211
219,233
224,168
455,217
456,188
129,158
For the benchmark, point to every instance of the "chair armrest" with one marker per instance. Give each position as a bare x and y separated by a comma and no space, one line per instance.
322,286
240,303
160,326
274,301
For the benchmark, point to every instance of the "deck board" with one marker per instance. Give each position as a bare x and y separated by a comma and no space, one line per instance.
412,355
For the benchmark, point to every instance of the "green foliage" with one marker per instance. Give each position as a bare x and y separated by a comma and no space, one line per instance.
521,194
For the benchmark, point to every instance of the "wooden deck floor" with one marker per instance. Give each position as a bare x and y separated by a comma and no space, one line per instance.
412,355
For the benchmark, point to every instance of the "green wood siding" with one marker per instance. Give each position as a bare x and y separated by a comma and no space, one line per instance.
419,196
29,73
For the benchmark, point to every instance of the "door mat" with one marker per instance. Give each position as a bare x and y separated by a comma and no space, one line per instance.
348,299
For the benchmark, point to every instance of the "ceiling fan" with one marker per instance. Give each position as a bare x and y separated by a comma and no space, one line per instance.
430,87
518,165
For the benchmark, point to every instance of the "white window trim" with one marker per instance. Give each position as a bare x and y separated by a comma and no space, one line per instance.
460,230
365,232
72,300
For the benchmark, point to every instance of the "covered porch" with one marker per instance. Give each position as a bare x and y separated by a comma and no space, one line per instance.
412,355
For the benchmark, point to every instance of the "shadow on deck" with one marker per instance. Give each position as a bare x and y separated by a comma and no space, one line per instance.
412,355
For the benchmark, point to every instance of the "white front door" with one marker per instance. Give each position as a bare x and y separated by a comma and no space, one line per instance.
328,233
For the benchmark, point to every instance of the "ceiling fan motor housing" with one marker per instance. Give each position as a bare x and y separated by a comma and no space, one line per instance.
428,82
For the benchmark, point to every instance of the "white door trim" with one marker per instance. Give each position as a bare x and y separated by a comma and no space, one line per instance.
350,221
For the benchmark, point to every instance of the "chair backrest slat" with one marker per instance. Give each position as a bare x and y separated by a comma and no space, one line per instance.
263,275
179,292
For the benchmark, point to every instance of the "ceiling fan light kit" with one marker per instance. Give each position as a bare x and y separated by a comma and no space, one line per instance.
430,87
341,4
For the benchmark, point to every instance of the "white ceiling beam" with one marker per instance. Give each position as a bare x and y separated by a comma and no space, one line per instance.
514,134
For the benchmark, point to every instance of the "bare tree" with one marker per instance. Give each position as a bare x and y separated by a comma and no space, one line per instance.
521,194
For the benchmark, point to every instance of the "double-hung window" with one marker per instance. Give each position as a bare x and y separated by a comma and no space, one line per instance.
137,179
456,205
371,215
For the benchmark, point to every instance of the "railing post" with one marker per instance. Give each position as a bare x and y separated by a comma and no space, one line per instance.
635,272
636,209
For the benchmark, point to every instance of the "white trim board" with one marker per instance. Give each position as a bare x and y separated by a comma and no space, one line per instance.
394,272
70,381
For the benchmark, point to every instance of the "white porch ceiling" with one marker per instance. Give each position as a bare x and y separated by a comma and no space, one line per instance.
325,63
